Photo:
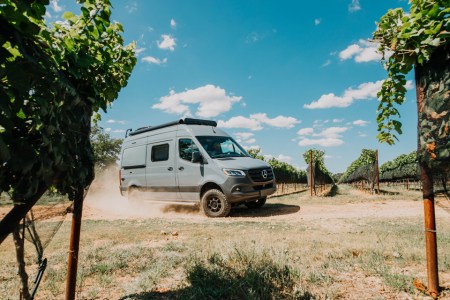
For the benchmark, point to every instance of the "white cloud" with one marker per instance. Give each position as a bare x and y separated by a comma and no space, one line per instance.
329,100
354,6
173,24
362,134
328,137
280,157
363,51
139,51
285,158
118,131
252,38
338,120
409,85
110,121
245,137
349,52
256,122
108,129
367,90
326,63
154,60
360,123
364,91
211,100
331,132
241,122
305,131
280,121
317,21
331,142
248,148
168,42
131,7
55,6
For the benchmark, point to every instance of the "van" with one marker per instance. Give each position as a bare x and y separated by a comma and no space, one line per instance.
193,161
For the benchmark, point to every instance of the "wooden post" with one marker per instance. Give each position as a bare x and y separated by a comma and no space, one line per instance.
377,172
430,230
74,246
310,172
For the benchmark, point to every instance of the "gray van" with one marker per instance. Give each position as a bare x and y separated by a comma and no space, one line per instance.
191,160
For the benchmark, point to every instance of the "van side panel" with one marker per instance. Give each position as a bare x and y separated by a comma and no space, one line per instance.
160,170
190,175
133,163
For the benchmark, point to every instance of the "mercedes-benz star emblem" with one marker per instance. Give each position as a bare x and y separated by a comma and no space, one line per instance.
264,174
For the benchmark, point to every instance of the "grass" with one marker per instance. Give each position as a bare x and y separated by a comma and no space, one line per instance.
239,257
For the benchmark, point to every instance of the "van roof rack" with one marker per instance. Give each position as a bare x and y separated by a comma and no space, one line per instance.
187,121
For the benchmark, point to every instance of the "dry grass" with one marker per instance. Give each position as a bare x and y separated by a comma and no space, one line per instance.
295,248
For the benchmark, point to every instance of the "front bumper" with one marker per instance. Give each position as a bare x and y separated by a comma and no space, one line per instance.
240,189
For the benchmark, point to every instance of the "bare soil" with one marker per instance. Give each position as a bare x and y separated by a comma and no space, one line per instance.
343,230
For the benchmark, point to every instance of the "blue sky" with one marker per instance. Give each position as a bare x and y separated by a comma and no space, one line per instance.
284,76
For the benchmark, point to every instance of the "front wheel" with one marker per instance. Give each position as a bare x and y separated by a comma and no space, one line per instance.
215,204
257,203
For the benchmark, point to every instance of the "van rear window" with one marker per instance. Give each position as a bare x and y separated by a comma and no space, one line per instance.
160,152
134,157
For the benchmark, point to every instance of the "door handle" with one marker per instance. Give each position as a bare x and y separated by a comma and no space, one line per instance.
170,168
181,168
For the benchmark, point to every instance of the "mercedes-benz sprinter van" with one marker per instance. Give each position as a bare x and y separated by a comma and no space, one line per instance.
191,160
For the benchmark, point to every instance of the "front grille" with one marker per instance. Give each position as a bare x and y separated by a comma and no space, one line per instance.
257,174
263,186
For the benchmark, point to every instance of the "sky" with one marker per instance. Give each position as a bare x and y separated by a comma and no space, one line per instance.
284,76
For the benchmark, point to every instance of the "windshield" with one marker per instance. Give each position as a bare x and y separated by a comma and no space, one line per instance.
221,146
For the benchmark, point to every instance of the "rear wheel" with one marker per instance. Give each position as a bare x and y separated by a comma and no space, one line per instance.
257,203
133,194
215,204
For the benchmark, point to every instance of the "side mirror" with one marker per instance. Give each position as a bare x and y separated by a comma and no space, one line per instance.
196,157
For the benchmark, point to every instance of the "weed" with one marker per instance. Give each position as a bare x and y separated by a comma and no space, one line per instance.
239,275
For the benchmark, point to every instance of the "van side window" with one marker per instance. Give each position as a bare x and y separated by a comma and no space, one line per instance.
134,157
186,147
160,152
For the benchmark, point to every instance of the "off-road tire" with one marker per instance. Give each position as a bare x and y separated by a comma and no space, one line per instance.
133,194
257,203
214,204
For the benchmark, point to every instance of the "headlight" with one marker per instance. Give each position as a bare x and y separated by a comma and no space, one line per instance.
233,172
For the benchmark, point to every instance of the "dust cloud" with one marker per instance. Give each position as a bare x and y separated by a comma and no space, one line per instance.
104,201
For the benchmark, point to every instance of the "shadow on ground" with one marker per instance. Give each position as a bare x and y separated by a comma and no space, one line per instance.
241,211
219,280
389,193
268,210
184,294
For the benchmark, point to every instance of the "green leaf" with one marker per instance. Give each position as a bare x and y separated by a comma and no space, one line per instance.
70,44
68,15
21,114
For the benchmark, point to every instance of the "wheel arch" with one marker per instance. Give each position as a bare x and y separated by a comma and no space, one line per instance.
209,186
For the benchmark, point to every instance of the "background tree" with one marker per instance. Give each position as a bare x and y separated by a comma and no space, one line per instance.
321,175
53,78
284,172
419,39
255,153
106,149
